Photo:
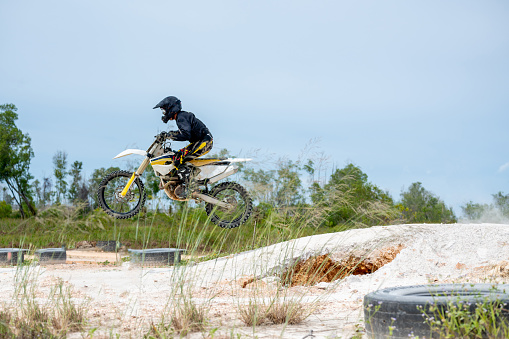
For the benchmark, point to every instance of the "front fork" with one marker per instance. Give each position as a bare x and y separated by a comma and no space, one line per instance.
136,174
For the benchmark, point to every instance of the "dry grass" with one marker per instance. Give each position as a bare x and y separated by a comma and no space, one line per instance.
34,321
288,311
185,317
253,314
189,317
67,315
27,318
281,310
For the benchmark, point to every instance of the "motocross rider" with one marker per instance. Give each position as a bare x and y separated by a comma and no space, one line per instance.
190,129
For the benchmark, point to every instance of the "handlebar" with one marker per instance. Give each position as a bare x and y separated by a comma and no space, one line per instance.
159,140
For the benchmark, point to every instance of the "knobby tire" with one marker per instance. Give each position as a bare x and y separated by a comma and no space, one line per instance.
216,214
107,186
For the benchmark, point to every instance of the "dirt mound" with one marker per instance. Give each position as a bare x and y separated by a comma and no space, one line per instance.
323,268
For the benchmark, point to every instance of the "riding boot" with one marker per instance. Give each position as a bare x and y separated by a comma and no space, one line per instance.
184,175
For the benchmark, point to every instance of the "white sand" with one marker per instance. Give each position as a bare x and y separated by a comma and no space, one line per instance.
125,299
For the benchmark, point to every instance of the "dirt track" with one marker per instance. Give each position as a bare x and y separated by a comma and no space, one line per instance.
125,299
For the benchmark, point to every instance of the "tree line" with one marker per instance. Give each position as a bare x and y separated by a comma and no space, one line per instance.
344,197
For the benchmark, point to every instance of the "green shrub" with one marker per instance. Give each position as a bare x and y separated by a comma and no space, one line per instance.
5,210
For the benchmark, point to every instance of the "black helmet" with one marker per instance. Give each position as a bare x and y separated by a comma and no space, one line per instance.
170,104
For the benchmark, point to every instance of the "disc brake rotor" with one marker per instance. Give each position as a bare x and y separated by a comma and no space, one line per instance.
120,198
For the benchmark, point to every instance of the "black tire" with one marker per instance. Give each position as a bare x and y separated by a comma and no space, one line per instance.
108,195
233,193
398,312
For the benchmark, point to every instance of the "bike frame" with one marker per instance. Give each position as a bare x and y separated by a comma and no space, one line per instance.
142,167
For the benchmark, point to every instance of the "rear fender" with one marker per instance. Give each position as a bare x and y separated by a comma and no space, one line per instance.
237,160
216,172
210,171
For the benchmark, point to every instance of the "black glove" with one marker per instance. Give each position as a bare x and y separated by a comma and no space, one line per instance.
172,134
162,136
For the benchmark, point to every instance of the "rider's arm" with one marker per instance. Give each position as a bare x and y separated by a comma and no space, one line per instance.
184,126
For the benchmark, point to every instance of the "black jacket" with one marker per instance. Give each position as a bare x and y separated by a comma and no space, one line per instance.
190,128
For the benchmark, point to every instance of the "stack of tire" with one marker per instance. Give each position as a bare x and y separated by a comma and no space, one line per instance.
400,312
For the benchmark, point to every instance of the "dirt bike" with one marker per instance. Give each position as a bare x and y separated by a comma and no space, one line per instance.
122,194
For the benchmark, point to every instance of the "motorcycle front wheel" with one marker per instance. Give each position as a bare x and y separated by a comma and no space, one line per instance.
237,197
111,200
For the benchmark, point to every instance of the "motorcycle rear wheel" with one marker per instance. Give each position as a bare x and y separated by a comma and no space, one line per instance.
234,194
113,203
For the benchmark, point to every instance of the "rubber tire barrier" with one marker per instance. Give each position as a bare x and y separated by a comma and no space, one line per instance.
399,308
210,208
104,205
51,255
11,256
156,256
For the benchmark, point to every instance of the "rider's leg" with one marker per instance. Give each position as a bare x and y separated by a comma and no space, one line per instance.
188,153
179,161
192,151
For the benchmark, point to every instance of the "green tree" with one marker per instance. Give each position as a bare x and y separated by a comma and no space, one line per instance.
47,191
501,202
280,188
15,156
37,190
95,180
151,182
60,172
310,168
288,186
348,198
223,153
260,183
78,191
5,195
474,211
493,212
422,206
5,210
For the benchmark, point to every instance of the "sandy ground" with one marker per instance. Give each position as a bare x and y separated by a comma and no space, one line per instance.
125,299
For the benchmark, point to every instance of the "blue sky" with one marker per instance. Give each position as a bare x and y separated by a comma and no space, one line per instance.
409,91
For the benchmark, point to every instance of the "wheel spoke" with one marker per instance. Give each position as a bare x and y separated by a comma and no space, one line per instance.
239,209
237,205
111,199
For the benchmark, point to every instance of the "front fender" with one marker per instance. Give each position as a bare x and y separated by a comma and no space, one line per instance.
131,151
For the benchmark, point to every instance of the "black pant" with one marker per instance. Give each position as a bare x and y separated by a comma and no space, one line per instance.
192,151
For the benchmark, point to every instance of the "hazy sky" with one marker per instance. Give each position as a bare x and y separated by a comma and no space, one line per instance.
407,90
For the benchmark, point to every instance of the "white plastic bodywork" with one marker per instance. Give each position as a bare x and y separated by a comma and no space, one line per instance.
207,171
131,151
217,172
229,171
163,169
212,172
237,160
